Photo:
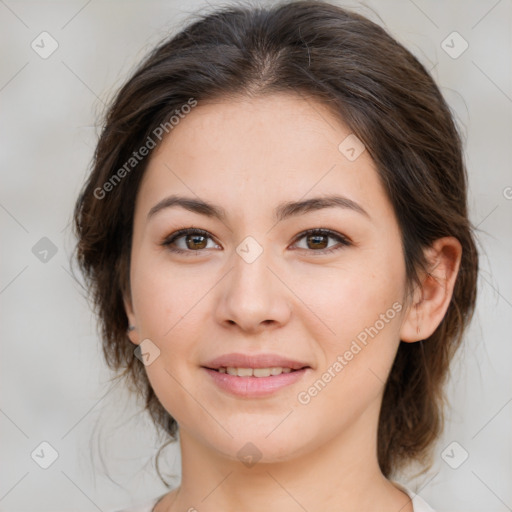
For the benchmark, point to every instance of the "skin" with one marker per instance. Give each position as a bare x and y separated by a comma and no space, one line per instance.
248,155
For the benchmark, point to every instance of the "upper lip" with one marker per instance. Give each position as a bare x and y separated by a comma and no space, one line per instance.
237,360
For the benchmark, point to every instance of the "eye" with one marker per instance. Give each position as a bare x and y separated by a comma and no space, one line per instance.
195,240
318,239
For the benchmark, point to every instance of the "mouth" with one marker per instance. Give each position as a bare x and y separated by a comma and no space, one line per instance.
272,371
263,365
254,376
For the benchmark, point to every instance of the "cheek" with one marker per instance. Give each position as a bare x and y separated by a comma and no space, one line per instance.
359,309
169,306
343,299
162,295
356,361
166,315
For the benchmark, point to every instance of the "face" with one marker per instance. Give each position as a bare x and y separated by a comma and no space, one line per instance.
249,287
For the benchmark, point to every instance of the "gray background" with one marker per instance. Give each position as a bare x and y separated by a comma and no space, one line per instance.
54,386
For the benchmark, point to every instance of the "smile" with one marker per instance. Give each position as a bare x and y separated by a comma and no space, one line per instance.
254,372
254,382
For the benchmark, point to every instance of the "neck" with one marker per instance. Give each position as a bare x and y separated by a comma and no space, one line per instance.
340,474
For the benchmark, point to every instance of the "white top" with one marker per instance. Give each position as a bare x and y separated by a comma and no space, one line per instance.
144,507
418,503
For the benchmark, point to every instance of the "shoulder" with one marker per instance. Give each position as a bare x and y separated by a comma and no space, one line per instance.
146,506
418,503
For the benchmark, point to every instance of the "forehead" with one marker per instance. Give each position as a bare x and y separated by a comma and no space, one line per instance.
252,151
277,125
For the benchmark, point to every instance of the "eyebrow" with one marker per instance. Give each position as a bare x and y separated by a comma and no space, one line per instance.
282,211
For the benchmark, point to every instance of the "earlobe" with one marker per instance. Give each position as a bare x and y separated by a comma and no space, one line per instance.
431,299
131,331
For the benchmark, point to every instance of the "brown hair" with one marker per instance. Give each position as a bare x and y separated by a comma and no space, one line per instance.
381,92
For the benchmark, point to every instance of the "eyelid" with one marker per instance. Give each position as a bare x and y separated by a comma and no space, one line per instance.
343,240
175,235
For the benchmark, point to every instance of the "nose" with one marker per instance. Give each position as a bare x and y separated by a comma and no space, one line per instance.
253,297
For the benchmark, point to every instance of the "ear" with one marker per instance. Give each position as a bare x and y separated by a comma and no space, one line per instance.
432,298
132,335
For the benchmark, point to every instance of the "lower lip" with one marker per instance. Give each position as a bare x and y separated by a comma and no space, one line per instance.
254,386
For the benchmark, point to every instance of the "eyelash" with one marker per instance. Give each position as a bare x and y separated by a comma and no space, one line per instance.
343,241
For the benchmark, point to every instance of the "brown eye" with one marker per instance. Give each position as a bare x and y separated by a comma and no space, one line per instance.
195,241
317,240
188,241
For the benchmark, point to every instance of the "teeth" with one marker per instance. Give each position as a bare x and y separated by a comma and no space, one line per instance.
243,372
262,372
254,372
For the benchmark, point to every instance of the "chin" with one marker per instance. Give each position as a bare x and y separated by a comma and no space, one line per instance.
254,444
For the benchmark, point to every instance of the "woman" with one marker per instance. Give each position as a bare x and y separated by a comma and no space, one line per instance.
275,235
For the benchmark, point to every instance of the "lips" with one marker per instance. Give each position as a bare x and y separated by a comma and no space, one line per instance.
254,376
238,360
